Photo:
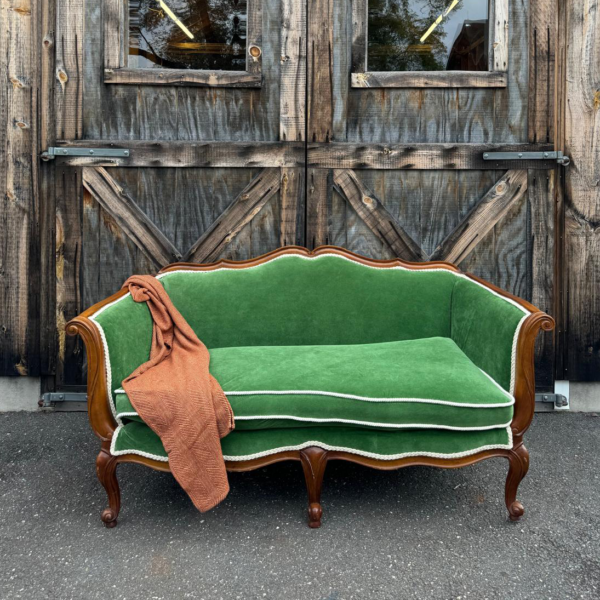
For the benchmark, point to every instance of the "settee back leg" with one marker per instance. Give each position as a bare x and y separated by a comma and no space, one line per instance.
314,461
106,468
518,459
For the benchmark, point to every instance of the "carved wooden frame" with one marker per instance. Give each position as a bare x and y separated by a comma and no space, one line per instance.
116,39
495,77
314,459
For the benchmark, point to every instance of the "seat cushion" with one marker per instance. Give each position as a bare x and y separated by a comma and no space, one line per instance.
413,384
138,438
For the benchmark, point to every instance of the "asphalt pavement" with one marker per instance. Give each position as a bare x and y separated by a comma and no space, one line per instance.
415,533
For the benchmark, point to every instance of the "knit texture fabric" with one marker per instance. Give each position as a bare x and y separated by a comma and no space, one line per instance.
179,399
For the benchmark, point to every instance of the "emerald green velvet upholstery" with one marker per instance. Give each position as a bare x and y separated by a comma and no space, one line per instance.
332,325
428,382
244,445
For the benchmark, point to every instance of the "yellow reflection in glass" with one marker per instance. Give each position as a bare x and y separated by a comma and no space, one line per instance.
179,24
437,21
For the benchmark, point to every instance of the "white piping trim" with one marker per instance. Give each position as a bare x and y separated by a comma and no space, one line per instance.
367,398
352,422
328,448
374,424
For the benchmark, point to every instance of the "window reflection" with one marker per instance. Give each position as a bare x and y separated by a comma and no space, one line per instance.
427,35
188,34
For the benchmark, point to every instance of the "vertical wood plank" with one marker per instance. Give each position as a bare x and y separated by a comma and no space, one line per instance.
116,20
359,36
582,204
292,124
320,71
291,194
320,110
69,83
501,41
543,30
541,193
19,259
254,55
68,102
319,188
45,43
69,190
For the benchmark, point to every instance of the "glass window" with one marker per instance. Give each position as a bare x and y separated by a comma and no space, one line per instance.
188,34
427,35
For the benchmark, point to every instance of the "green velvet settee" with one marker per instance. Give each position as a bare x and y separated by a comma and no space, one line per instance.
327,355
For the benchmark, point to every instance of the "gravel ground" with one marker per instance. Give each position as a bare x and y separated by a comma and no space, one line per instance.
415,533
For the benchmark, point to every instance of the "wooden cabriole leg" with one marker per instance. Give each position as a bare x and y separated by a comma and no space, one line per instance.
314,461
518,459
106,468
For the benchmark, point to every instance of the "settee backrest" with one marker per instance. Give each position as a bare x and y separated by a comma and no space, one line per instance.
295,300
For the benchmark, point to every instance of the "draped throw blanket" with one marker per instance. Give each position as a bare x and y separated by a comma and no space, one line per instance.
179,399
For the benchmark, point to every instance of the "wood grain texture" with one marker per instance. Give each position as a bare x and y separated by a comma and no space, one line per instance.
254,37
319,190
582,210
482,218
68,102
543,31
500,34
130,218
292,119
46,18
320,71
174,77
377,217
19,208
424,79
157,154
69,361
541,195
433,156
241,211
68,91
359,37
116,35
292,197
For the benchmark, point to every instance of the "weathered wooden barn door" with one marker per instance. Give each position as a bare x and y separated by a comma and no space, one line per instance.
180,136
405,99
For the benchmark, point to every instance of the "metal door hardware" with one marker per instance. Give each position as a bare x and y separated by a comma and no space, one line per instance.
558,156
49,398
53,152
560,402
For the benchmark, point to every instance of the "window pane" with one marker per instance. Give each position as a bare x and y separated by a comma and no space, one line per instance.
188,34
428,35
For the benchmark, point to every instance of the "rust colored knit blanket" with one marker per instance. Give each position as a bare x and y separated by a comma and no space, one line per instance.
179,399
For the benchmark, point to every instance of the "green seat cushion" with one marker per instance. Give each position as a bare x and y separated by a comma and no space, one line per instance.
138,438
418,384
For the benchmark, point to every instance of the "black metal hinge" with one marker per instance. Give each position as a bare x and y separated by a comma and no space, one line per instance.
53,152
558,156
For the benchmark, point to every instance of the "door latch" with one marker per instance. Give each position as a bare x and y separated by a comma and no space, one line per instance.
558,156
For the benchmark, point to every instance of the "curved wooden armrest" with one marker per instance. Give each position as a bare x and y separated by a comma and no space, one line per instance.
99,413
525,374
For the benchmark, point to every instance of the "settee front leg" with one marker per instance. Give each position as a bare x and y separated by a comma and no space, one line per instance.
518,459
106,468
314,461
